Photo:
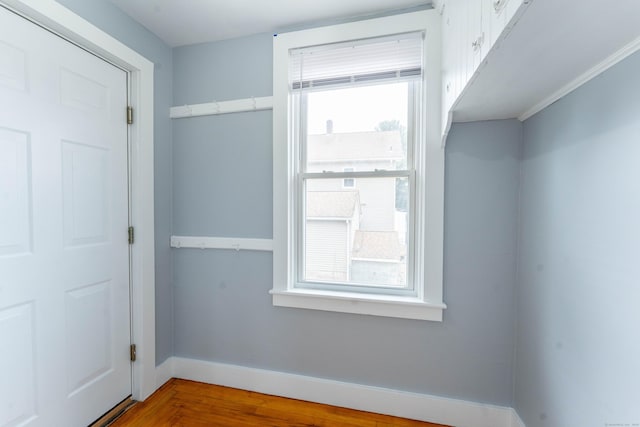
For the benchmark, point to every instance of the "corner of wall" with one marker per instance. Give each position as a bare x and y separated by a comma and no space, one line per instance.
516,421
516,279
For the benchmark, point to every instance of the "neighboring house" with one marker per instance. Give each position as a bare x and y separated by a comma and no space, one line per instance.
359,151
333,217
354,232
376,258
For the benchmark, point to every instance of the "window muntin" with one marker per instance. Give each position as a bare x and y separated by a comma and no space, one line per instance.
356,238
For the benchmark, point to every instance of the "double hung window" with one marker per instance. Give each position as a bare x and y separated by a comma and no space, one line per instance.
350,168
355,114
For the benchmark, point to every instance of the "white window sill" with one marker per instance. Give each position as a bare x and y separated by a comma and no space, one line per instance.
348,302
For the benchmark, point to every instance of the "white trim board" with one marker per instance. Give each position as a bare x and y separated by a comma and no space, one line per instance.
222,107
235,243
515,419
594,71
164,372
416,406
57,18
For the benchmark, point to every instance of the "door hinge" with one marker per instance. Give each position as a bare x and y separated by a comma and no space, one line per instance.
132,352
129,115
131,235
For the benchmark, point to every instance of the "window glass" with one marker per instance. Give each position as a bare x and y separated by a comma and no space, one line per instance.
361,128
356,236
348,182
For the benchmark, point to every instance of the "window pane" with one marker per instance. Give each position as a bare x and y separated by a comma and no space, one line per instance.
358,128
348,182
356,236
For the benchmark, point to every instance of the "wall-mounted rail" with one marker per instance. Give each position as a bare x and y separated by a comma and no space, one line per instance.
234,243
222,107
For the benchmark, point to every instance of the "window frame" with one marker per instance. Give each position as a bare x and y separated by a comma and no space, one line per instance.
426,303
351,178
302,175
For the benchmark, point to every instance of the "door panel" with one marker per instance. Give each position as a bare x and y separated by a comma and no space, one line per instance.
64,256
84,193
15,177
89,332
12,67
17,388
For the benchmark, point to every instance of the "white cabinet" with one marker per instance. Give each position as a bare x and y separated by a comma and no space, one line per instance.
533,53
499,13
475,45
471,28
450,61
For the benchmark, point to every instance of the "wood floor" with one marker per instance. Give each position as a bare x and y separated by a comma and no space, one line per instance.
193,404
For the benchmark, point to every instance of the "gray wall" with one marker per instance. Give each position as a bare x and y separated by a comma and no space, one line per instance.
223,312
222,183
110,19
578,357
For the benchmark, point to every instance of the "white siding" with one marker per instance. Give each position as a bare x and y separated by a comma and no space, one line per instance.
326,250
377,198
378,273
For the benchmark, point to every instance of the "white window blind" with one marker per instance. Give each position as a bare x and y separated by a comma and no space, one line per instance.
384,58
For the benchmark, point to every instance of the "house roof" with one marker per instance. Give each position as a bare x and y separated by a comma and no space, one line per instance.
376,245
355,146
332,204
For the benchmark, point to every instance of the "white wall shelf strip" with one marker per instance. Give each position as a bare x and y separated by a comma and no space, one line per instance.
233,243
222,107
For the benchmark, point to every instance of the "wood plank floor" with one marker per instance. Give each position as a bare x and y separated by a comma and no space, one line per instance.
181,403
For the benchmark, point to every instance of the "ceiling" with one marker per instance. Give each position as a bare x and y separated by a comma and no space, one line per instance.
184,22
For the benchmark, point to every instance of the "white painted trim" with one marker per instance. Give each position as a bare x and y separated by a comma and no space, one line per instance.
447,126
54,16
516,421
222,107
416,406
235,243
594,71
354,303
164,372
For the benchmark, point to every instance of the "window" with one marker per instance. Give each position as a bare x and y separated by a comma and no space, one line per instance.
359,102
348,182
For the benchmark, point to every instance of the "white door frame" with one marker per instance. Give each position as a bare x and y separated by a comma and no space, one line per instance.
59,19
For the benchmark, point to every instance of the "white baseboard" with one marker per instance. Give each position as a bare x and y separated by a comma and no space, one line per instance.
416,406
164,372
515,419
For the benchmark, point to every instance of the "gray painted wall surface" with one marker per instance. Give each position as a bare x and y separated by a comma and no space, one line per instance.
578,318
110,19
223,312
222,183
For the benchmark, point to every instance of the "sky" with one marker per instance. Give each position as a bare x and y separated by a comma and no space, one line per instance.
373,104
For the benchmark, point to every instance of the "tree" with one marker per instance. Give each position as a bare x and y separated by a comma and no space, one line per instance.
388,125
402,185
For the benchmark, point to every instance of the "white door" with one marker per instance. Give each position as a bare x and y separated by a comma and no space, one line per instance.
64,263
